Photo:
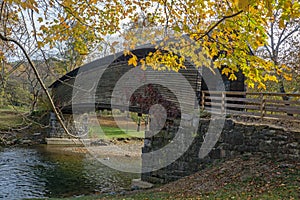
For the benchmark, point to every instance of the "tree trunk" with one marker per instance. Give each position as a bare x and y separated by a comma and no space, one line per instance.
282,90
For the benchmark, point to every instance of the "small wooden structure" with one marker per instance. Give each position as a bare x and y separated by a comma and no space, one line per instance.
98,94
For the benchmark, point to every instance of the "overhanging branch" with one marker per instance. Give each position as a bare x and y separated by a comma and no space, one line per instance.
218,22
4,38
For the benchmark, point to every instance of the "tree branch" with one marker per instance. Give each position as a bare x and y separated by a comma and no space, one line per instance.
290,33
272,41
40,81
216,24
1,10
281,35
269,51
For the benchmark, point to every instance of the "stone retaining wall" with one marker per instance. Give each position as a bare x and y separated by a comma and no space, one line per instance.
235,139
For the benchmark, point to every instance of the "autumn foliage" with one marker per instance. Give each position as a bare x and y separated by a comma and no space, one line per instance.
230,32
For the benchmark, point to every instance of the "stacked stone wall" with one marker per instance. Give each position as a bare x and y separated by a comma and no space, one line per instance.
235,139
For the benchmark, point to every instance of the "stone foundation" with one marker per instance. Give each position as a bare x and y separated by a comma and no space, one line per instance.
235,139
77,126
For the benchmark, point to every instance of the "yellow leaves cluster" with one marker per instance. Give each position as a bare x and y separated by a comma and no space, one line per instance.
268,77
158,60
162,61
226,71
288,77
133,60
83,23
86,23
242,4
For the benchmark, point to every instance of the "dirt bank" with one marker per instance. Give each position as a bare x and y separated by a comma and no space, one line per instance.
123,148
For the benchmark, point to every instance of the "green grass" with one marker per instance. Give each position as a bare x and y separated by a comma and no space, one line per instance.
231,191
138,195
10,119
280,183
114,132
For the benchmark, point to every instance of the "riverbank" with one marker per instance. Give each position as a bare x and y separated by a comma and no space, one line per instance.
124,147
244,177
20,128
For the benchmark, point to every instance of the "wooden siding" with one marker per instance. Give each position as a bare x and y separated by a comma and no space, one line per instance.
140,101
92,92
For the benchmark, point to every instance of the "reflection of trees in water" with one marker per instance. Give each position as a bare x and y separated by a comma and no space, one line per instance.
70,174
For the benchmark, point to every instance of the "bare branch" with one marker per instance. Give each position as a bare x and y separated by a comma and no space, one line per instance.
281,34
1,10
290,33
272,40
40,81
269,51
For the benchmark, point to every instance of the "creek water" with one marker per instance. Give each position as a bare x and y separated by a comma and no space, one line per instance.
40,172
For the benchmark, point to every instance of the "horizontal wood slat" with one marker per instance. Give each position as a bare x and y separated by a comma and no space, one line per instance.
253,104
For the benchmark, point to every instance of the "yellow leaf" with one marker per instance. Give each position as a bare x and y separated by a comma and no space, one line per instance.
261,85
251,84
232,77
287,77
243,4
40,19
226,71
114,43
281,23
40,44
133,61
278,71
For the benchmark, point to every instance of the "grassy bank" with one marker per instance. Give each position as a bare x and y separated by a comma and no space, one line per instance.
10,119
240,178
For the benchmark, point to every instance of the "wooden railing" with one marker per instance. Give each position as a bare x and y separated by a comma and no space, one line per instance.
252,104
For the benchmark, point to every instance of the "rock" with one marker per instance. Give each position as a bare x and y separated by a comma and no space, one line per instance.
99,143
15,141
8,143
286,166
134,187
26,142
139,184
293,145
122,192
37,134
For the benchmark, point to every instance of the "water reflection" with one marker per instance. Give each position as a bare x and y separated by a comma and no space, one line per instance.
41,172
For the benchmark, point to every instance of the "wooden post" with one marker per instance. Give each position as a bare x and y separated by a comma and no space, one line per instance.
223,103
146,123
127,120
203,100
262,106
139,121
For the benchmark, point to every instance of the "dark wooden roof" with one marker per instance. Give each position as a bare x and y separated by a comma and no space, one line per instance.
113,67
99,63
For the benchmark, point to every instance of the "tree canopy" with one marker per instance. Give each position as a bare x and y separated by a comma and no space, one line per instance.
230,32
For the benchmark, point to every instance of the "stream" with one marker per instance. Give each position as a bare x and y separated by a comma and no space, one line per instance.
41,172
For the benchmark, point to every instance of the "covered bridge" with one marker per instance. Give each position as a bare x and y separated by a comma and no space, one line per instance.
96,85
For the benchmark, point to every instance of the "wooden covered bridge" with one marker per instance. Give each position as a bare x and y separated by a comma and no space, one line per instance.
91,87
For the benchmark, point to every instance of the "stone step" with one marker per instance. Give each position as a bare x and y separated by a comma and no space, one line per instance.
67,141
